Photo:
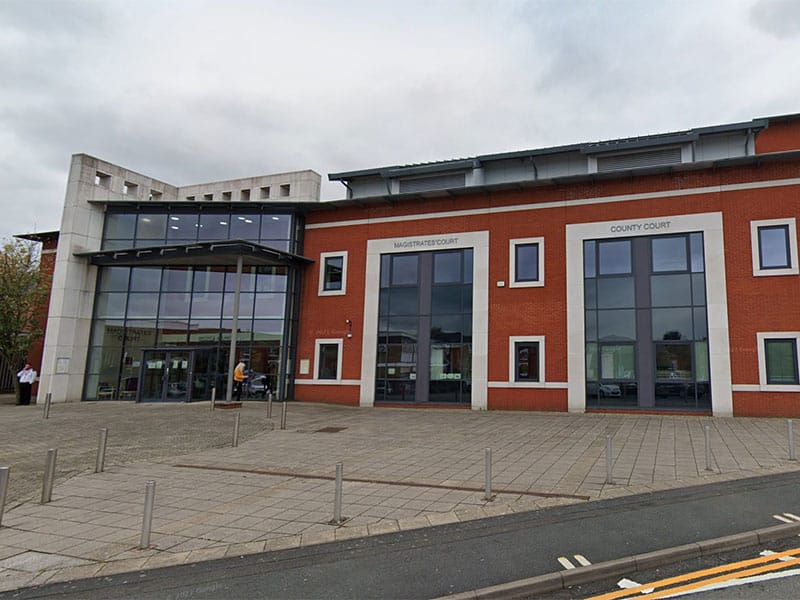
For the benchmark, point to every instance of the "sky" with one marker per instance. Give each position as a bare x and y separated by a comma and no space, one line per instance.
192,91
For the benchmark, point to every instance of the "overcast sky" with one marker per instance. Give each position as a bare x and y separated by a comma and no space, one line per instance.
190,91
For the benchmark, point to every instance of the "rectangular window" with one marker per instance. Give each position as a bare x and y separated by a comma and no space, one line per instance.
328,359
778,361
333,274
774,247
781,361
526,262
526,360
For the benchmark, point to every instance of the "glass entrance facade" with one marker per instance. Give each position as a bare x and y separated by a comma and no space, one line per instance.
424,351
646,323
163,333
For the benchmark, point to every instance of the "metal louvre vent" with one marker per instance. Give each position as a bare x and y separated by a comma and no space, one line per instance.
650,158
436,182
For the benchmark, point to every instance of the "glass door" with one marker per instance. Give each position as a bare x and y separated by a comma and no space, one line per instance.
166,375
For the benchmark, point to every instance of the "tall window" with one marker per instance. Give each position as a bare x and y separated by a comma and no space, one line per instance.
526,262
329,359
332,276
774,246
527,359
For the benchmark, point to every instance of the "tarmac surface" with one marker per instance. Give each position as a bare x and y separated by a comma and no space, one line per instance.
403,469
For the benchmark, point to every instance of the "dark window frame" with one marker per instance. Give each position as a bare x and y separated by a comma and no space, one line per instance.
787,247
796,375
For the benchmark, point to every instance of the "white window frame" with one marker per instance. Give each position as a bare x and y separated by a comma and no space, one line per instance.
322,259
512,262
794,268
317,345
513,340
762,359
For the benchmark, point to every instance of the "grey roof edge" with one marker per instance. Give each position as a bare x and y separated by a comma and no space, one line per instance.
210,244
297,206
584,147
532,183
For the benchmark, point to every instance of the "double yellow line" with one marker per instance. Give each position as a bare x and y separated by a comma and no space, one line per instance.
737,570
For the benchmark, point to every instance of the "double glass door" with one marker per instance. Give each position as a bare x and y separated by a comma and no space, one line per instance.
166,375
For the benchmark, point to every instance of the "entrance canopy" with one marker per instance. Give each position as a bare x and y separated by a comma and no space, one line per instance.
215,253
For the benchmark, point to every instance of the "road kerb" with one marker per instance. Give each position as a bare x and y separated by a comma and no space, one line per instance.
550,582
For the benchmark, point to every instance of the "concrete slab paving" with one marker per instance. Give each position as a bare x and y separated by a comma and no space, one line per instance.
403,469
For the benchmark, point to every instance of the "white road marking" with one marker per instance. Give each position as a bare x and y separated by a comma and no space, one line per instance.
792,516
738,582
565,562
782,518
582,560
770,553
627,584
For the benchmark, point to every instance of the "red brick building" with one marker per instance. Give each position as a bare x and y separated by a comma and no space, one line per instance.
656,274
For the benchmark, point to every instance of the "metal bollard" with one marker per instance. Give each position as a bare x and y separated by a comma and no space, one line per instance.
792,455
213,396
49,475
236,430
101,451
337,500
4,471
47,399
147,518
269,405
609,460
707,431
283,414
488,460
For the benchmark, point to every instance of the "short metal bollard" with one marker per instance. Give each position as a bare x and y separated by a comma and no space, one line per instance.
236,429
609,460
707,431
49,475
101,451
213,397
147,518
337,500
283,414
269,405
792,455
48,397
4,471
488,461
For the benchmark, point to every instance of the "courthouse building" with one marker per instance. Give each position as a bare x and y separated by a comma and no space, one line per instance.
656,273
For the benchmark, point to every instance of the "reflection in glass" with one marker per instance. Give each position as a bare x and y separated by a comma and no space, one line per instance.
446,328
615,292
617,361
269,305
702,371
674,361
246,302
591,325
151,227
781,359
213,227
247,282
404,269
120,226
178,279
174,306
700,324
276,227
527,361
616,325
204,331
447,267
696,245
404,301
206,305
110,305
209,279
591,362
182,228
245,227
773,246
672,324
145,279
698,289
445,299
669,254
671,290
590,293
614,258
402,329
142,305
526,262
589,259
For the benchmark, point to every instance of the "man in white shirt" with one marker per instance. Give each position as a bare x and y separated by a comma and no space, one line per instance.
26,378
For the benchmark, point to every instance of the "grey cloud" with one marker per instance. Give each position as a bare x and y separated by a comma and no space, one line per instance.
780,18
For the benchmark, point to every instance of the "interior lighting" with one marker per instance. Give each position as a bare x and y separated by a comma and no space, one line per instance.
276,218
174,218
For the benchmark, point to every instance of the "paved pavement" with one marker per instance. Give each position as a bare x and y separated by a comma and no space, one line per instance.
403,468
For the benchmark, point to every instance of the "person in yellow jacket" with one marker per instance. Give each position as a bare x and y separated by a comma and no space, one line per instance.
239,377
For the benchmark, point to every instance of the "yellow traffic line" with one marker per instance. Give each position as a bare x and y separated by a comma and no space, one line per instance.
636,591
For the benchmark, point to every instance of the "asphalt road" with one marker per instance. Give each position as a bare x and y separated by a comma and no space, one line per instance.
454,558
